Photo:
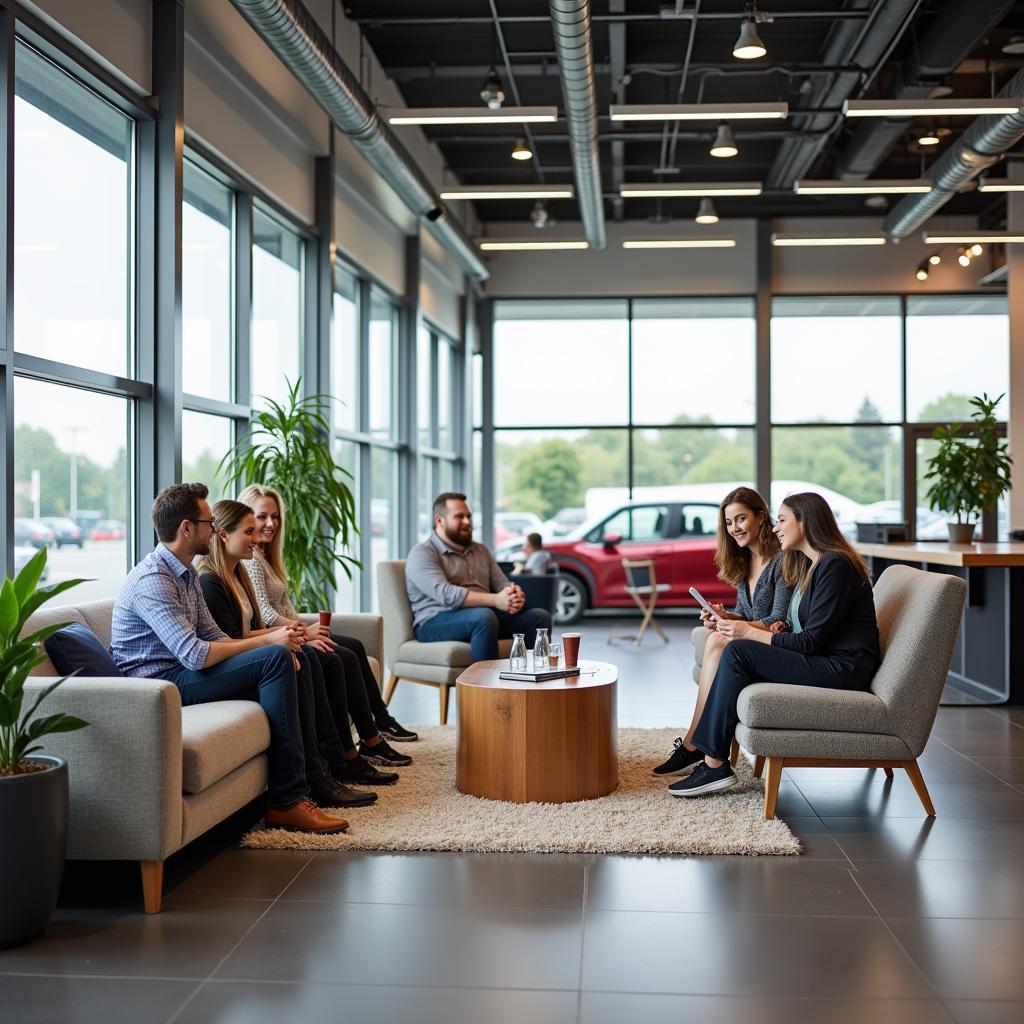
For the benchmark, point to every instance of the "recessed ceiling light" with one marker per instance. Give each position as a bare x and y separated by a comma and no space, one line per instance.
679,243
725,142
521,151
472,115
928,108
862,187
827,240
699,112
515,245
667,190
507,192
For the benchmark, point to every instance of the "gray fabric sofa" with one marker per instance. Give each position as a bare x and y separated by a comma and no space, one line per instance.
434,664
884,727
148,776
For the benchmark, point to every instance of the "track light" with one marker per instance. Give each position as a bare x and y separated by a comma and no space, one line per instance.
935,259
749,45
922,272
964,258
492,94
539,216
977,249
725,142
706,214
521,151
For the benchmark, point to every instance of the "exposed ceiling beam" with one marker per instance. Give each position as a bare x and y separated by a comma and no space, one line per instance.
388,20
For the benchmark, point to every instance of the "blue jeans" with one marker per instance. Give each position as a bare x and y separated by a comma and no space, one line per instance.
481,628
268,676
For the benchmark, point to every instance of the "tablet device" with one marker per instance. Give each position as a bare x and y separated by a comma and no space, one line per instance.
699,598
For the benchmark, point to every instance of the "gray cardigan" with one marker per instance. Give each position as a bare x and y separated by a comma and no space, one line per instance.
770,602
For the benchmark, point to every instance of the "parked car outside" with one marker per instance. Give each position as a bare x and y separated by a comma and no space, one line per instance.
34,533
564,521
66,531
519,524
108,529
22,554
930,525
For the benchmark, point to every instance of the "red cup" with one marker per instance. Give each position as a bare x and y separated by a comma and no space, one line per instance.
325,619
571,648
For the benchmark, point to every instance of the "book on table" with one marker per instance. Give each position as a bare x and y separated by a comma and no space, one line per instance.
539,675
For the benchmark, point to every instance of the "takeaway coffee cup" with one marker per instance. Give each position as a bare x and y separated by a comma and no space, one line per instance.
325,619
571,648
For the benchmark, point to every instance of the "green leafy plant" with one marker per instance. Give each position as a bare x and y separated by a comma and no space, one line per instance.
19,598
969,472
289,449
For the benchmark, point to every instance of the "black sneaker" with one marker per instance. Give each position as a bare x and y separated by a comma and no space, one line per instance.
704,780
392,730
329,792
384,754
361,772
681,762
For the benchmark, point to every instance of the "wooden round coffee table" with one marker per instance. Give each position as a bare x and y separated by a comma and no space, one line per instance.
550,742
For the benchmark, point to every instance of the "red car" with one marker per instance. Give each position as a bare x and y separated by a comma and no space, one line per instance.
679,537
108,529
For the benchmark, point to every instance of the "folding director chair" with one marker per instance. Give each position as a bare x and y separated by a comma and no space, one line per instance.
642,585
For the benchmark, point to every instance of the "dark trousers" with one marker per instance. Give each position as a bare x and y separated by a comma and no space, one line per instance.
378,708
481,628
266,675
346,698
323,736
749,661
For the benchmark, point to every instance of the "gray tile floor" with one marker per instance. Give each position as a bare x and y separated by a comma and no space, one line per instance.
888,917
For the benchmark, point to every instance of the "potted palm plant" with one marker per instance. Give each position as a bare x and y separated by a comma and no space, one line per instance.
289,449
33,786
970,472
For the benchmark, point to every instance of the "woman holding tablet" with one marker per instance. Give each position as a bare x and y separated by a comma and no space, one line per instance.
749,557
837,646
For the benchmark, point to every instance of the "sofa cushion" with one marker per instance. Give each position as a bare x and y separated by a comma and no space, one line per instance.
789,706
77,648
446,653
218,737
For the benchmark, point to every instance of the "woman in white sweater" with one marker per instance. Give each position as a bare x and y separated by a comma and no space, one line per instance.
336,652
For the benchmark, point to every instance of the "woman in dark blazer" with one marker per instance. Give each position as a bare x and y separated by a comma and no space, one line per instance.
837,646
232,603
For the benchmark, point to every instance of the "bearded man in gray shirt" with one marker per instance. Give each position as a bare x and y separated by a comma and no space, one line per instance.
457,591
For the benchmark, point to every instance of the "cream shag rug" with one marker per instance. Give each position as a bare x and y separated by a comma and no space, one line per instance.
424,811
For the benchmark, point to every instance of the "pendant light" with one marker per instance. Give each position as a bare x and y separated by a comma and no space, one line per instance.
749,45
521,151
725,142
706,214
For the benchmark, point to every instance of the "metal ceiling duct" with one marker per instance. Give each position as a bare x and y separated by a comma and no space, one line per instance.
570,20
848,43
302,46
950,39
978,147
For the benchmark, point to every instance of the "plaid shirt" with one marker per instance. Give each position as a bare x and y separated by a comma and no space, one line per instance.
161,621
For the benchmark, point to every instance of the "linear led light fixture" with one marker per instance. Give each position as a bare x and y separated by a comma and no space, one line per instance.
472,115
508,192
699,111
1000,185
861,188
679,243
967,237
928,108
698,189
816,240
515,246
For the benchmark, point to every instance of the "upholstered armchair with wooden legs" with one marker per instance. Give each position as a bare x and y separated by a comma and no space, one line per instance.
887,726
433,664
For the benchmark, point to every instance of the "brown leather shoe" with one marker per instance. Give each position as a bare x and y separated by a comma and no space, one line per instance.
305,816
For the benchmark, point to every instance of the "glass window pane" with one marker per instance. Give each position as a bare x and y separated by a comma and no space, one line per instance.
558,476
71,469
561,363
645,523
72,220
693,360
940,380
428,491
346,597
715,459
276,309
478,390
383,521
857,469
205,440
345,358
836,360
206,286
424,388
445,438
383,339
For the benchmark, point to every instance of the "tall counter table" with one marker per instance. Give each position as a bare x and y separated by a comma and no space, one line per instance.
988,662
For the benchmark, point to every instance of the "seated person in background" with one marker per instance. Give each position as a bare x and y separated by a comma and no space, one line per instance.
342,657
837,645
457,591
749,557
535,558
229,596
162,629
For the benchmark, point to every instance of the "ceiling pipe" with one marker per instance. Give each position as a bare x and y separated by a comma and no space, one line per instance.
980,146
849,43
570,20
951,38
301,45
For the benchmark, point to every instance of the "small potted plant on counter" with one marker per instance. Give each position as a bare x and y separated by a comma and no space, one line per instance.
971,471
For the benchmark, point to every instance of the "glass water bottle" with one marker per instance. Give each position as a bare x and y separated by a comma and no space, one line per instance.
541,650
517,658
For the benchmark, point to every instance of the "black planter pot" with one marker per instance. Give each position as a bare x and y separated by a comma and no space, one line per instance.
33,842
